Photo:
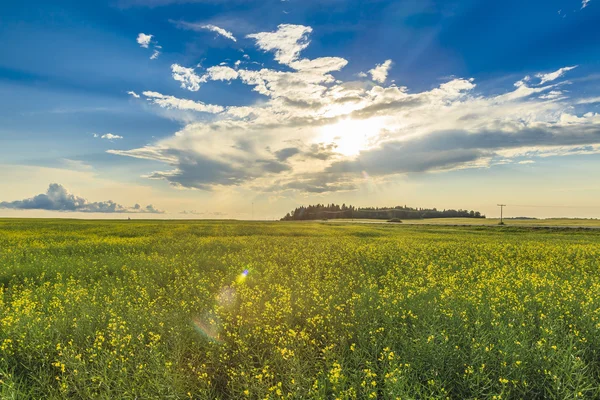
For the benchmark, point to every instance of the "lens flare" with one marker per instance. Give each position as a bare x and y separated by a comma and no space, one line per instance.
208,326
242,277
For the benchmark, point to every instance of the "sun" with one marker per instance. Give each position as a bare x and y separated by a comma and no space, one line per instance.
352,135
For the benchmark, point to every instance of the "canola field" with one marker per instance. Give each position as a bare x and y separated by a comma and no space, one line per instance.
251,310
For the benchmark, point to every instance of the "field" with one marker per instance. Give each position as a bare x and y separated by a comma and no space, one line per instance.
234,310
541,223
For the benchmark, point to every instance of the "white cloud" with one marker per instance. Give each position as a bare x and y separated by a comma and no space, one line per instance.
380,72
362,74
109,136
553,94
219,31
171,102
134,94
144,40
287,41
585,3
221,73
198,27
188,78
314,133
549,77
589,100
524,162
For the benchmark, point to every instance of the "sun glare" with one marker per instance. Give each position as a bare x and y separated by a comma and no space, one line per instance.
352,135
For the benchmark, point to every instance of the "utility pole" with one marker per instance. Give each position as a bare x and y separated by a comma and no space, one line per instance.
252,211
501,209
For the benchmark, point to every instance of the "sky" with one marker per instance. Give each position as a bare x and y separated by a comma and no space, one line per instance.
247,109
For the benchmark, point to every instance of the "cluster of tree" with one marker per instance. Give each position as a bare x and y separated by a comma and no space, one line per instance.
331,211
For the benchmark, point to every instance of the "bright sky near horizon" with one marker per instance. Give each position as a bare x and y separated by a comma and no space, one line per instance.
228,109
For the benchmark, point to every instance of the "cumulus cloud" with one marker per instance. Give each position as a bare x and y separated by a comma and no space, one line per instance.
312,132
134,94
144,40
188,78
220,73
58,198
549,77
287,41
380,72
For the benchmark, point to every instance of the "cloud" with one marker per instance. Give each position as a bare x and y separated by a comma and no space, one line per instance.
287,41
144,40
216,214
109,136
198,27
312,132
554,75
585,3
188,78
219,31
444,150
220,73
58,198
194,168
380,72
553,94
174,103
134,94
589,100
286,153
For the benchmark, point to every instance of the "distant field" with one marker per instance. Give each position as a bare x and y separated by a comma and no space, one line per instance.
274,310
562,222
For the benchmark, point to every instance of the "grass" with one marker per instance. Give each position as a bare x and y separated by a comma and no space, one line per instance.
234,310
551,222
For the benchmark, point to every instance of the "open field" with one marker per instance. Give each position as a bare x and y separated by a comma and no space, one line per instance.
234,310
558,222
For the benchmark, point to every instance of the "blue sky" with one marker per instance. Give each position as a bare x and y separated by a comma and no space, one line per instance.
364,102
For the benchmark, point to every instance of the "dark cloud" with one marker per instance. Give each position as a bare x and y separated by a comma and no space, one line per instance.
451,149
384,108
58,198
315,183
193,170
319,186
321,151
286,153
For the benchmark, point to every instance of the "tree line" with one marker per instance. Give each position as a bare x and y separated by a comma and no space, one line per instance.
334,211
